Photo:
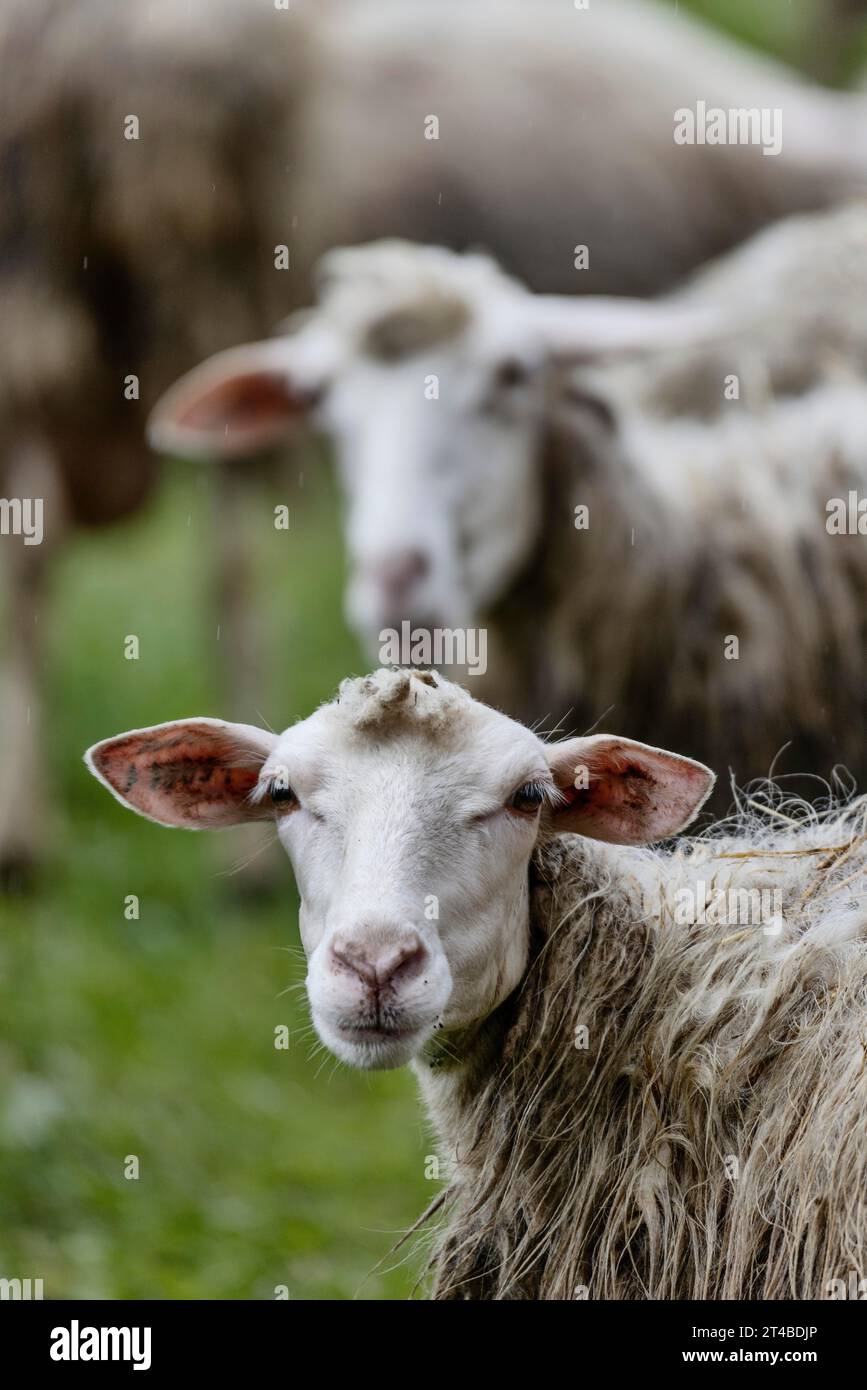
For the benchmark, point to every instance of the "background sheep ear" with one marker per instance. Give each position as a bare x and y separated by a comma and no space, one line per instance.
623,792
595,328
239,402
196,774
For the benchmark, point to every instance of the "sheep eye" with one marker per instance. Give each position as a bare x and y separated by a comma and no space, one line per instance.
280,793
527,798
511,373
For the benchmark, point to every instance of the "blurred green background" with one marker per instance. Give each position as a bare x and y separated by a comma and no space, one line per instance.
258,1167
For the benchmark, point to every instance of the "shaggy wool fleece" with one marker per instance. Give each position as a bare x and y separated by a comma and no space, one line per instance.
704,1137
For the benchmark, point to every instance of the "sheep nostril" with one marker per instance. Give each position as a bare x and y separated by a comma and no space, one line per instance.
406,959
379,966
399,571
349,955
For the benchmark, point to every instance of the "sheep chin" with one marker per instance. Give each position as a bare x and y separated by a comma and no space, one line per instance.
370,1049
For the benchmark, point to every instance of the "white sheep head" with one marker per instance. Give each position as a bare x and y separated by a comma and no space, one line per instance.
410,812
430,372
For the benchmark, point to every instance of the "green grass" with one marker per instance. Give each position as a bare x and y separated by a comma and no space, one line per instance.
802,32
258,1166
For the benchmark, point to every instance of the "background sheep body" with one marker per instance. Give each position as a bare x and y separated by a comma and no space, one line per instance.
737,621
258,128
121,260
713,515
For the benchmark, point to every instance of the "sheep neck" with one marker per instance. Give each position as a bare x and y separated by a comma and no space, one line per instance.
456,1048
454,1065
458,1065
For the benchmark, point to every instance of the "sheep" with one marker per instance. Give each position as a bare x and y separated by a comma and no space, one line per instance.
585,517
127,251
266,135
646,1066
536,130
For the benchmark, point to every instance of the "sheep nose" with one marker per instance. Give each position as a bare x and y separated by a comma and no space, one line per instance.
378,965
400,570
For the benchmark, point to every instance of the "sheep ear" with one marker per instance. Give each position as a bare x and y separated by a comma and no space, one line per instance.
624,792
193,773
240,402
594,328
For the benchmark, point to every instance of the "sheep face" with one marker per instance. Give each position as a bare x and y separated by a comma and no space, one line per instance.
430,372
410,840
410,813
419,367
442,504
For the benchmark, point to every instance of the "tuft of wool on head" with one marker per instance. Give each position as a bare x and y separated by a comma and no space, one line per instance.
398,298
389,698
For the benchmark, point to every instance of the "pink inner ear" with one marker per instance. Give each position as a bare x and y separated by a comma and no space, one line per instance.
618,807
636,794
184,775
253,403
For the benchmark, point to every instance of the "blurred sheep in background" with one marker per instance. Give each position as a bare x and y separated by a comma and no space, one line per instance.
647,543
122,258
155,158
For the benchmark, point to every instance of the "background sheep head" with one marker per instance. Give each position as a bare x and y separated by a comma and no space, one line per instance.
431,372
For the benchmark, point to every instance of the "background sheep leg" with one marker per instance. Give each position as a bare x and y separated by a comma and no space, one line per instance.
31,473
